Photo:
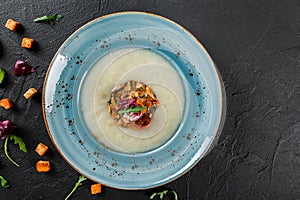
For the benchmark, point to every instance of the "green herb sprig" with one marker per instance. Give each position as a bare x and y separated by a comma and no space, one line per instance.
4,182
79,183
163,193
133,109
2,76
17,140
49,19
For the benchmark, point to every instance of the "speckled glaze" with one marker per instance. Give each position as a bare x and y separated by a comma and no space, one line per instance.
202,119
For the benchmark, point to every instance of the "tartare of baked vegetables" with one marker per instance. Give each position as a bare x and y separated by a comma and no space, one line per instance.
132,104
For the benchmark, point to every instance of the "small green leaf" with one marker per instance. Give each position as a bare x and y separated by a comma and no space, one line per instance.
41,19
50,19
58,17
81,179
4,182
79,183
2,75
19,141
135,109
153,195
163,193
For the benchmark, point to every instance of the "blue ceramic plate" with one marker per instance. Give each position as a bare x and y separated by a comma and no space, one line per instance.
202,118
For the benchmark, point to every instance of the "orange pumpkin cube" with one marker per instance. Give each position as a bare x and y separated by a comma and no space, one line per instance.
27,43
96,188
30,93
43,166
12,25
6,103
41,149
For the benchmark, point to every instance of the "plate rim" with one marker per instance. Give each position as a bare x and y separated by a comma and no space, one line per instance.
222,100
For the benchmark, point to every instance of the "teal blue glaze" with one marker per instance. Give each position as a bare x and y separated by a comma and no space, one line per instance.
203,113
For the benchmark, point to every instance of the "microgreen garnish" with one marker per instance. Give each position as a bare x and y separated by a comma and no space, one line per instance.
6,128
132,109
2,76
17,140
163,193
79,183
4,182
50,19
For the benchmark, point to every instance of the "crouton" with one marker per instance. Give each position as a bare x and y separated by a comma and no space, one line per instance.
6,103
41,149
96,188
30,93
27,43
12,25
43,166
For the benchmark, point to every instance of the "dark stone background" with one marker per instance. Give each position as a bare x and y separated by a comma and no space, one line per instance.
256,46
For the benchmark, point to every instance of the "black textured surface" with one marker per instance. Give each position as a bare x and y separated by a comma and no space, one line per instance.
256,46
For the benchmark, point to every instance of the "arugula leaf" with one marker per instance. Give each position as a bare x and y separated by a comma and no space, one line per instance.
135,109
79,183
4,182
6,153
163,193
19,141
2,75
50,19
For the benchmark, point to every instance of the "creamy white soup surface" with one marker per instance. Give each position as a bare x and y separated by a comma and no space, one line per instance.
138,65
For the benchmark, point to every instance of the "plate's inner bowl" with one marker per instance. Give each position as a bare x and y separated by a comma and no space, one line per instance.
140,65
198,112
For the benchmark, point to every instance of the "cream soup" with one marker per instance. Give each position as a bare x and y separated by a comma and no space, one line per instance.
138,65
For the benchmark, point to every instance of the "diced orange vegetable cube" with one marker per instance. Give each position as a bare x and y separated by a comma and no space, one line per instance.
30,93
96,188
41,149
27,43
12,25
43,166
6,103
